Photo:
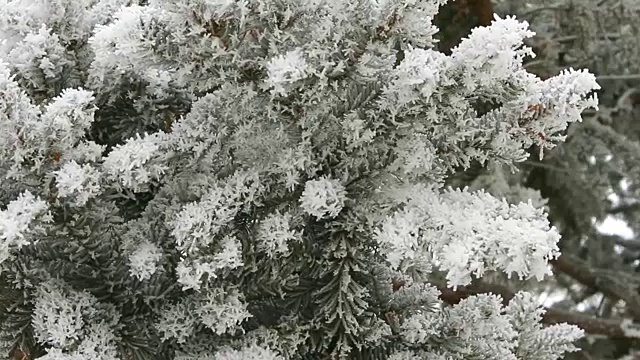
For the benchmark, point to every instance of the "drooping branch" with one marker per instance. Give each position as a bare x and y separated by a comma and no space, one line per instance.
612,328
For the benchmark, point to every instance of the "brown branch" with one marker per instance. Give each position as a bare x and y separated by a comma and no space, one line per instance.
452,297
611,328
586,276
483,9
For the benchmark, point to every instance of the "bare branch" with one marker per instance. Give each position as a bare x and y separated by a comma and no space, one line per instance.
633,245
624,208
585,275
537,10
568,38
620,77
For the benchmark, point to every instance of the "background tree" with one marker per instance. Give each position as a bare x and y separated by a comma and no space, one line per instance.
266,179
590,177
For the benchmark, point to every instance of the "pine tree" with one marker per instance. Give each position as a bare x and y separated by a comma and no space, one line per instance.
266,179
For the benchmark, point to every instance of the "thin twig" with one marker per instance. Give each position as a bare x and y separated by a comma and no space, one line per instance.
545,166
569,38
543,8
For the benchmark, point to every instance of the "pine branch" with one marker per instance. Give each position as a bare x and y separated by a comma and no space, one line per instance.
591,325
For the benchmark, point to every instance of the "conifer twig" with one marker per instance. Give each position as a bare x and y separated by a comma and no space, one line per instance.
591,325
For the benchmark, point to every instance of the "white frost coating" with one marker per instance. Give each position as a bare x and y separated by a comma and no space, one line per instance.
98,344
143,262
16,222
28,135
130,164
630,329
415,156
284,70
73,323
252,352
190,272
39,53
18,116
323,198
563,99
177,321
198,223
420,70
481,321
117,46
69,116
491,53
469,233
222,311
57,318
80,182
275,233
404,355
